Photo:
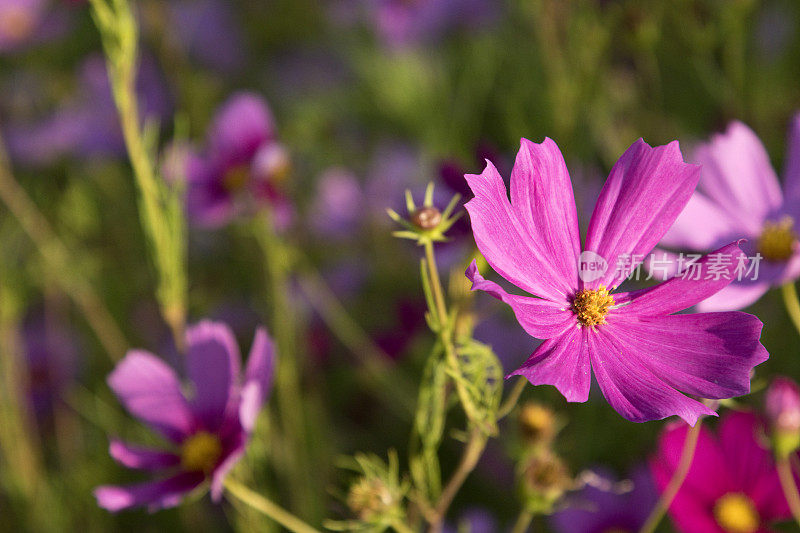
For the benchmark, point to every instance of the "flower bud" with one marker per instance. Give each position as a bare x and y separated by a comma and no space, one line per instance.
427,217
370,498
537,424
783,411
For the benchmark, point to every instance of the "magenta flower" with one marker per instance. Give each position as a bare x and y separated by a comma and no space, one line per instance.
642,353
732,485
242,165
739,196
208,430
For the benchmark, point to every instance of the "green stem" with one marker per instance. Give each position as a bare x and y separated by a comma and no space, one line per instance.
287,384
469,460
477,441
678,477
523,522
268,508
788,485
792,303
513,397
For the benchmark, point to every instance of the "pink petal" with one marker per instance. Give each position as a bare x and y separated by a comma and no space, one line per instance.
708,355
733,297
240,127
708,477
509,245
678,293
257,380
738,176
542,198
703,225
563,362
643,195
150,391
791,170
140,457
213,363
630,387
155,495
540,318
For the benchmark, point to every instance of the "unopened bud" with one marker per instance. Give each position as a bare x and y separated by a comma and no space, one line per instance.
783,411
546,479
369,498
426,217
537,424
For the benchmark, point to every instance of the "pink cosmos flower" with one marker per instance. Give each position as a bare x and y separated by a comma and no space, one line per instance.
208,430
732,485
642,353
739,196
241,167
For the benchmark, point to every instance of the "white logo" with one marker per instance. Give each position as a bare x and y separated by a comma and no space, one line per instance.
591,266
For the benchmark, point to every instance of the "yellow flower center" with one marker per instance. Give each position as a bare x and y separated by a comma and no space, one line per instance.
200,452
777,240
735,513
15,23
236,178
591,306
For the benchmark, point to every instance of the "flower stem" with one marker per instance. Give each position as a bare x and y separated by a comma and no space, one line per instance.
788,485
436,283
792,303
469,460
523,522
268,508
513,397
287,384
678,477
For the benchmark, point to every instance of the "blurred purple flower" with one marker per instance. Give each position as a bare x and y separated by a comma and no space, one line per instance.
86,125
534,243
395,168
211,428
732,483
739,197
402,23
241,167
207,31
338,209
51,351
602,509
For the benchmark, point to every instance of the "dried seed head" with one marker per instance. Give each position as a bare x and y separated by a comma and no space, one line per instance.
546,477
426,217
